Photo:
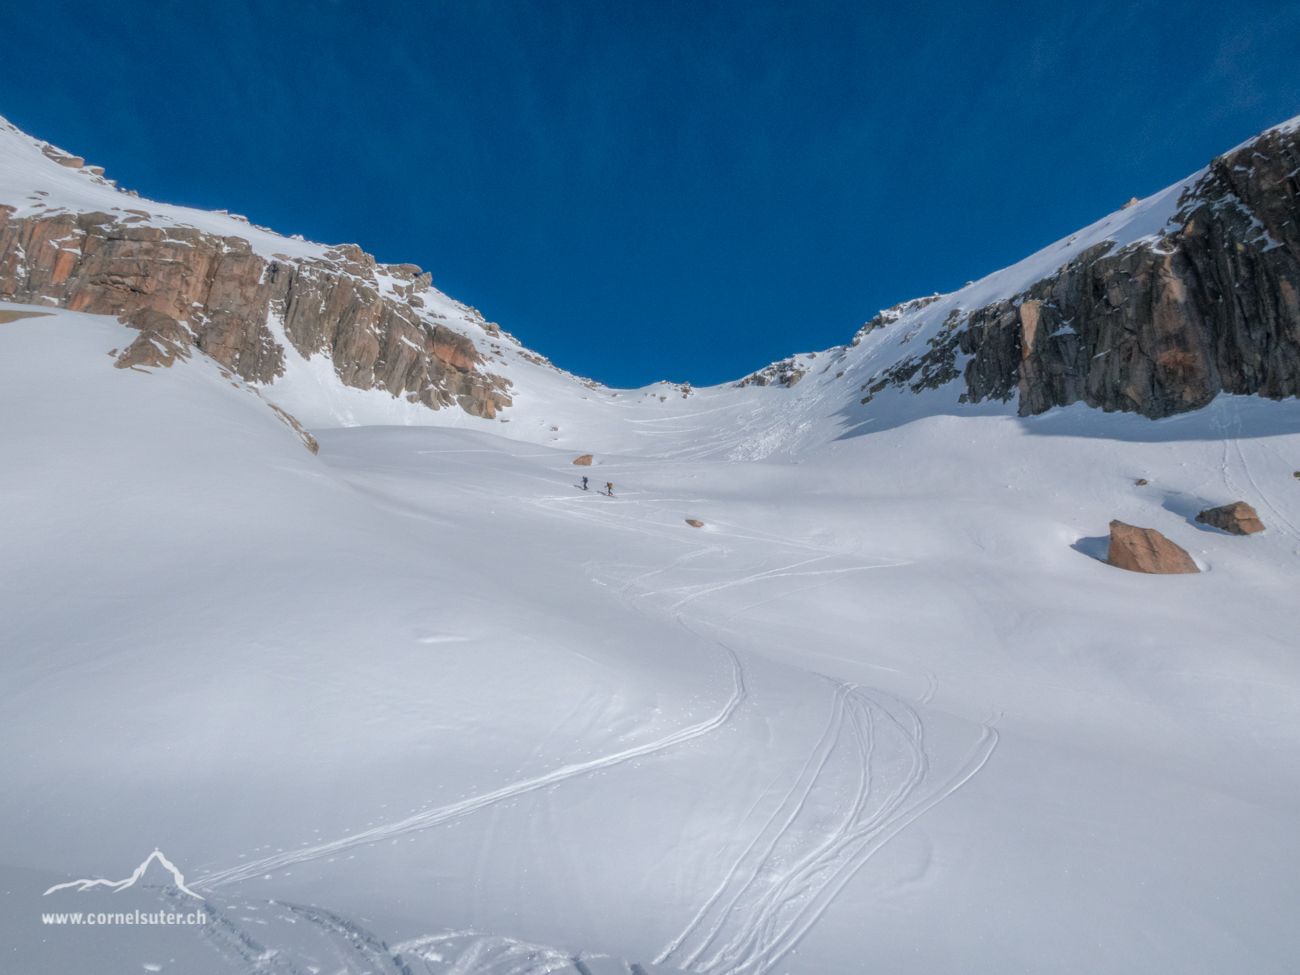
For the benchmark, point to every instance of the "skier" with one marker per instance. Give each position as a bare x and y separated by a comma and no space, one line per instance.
584,484
609,488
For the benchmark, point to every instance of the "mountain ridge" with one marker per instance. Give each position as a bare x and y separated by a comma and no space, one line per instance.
1128,314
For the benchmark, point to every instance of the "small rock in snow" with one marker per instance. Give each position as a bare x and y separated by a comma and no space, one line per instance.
1238,518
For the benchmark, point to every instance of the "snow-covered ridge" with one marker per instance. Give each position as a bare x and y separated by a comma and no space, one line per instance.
412,350
271,308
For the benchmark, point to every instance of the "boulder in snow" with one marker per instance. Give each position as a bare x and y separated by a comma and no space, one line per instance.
1238,518
1146,550
583,461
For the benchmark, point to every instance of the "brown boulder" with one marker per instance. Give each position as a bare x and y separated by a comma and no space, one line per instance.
694,524
584,460
1146,550
1238,518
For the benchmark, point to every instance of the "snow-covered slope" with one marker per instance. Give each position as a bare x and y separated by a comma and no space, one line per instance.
885,709
419,703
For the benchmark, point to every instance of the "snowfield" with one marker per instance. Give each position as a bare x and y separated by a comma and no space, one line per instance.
826,685
420,704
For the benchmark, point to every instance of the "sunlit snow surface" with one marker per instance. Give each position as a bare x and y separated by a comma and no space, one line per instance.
420,704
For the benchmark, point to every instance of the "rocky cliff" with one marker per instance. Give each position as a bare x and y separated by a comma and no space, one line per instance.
237,306
1208,304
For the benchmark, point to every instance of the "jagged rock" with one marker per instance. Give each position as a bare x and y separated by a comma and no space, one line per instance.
1141,482
61,157
584,460
224,295
1238,518
785,373
694,524
308,440
888,316
161,342
1146,550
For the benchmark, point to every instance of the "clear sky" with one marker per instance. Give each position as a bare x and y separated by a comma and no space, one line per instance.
657,190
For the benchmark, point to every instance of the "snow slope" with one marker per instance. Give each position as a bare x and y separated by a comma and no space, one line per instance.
421,704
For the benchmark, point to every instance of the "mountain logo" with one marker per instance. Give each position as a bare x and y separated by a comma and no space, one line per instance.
119,885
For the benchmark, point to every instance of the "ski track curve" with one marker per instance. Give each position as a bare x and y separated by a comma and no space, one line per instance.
793,869
443,814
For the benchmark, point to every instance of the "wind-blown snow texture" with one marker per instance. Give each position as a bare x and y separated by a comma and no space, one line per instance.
420,704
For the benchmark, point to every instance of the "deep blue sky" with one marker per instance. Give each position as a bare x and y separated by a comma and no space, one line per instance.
647,190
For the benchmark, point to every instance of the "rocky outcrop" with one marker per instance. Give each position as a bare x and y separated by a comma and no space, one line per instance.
224,297
162,341
1237,518
1159,327
1146,550
584,461
290,421
890,315
8,315
785,373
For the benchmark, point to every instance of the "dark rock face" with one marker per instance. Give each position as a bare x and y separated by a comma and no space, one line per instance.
221,295
1238,518
1156,328
1146,550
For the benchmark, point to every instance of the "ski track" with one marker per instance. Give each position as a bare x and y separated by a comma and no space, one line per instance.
1232,441
748,865
778,574
1281,520
792,870
794,867
789,873
443,814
